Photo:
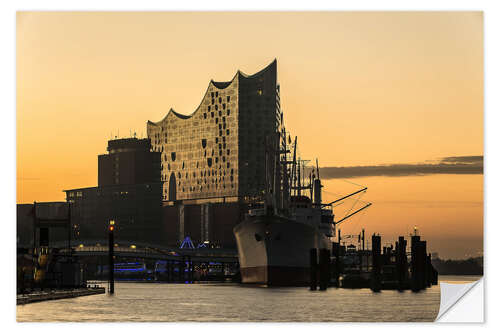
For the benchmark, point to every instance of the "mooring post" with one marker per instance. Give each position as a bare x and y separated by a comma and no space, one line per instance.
414,266
422,259
336,267
376,263
324,268
428,271
313,260
111,256
401,262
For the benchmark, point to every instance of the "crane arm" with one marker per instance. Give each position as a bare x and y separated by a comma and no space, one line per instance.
347,196
346,217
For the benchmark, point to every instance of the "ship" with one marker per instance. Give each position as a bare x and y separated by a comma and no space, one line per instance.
274,239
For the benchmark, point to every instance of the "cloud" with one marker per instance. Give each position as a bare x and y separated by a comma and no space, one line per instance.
463,159
453,165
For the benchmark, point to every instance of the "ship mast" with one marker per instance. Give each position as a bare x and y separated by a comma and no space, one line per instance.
294,166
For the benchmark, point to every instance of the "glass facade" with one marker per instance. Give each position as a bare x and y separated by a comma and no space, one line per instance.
218,150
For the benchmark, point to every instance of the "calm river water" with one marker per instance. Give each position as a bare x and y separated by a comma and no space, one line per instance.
146,302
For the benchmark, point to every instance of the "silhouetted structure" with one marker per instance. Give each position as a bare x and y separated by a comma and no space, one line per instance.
213,160
129,193
129,161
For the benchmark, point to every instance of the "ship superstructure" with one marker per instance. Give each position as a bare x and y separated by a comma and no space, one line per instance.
274,240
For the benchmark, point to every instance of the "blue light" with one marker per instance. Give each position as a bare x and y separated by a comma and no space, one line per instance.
128,263
129,269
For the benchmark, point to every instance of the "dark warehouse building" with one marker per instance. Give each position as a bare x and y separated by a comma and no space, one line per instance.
129,193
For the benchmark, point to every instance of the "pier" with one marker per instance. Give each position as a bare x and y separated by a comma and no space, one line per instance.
381,268
49,295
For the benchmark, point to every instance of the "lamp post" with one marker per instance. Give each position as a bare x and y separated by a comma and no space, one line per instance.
111,257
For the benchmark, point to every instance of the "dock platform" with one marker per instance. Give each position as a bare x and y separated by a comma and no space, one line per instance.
57,294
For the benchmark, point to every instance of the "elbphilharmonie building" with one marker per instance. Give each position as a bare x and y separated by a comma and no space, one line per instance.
216,154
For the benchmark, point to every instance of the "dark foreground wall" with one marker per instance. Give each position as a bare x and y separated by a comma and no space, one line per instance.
25,224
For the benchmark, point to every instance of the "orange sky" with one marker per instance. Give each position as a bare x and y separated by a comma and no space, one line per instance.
364,88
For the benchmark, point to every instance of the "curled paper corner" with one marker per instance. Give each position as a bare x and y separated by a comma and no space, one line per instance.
461,302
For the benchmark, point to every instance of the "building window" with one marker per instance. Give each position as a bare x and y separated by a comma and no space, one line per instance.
228,98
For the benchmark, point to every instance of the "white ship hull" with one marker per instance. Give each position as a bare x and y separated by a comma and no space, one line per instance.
275,251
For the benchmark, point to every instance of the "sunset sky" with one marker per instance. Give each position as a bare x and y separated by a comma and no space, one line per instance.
396,98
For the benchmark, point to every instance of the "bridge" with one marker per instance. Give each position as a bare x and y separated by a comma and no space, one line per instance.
137,250
144,261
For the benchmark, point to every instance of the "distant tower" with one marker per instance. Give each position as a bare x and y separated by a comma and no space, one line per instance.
129,161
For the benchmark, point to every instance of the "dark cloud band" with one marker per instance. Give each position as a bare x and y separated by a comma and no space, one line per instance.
456,165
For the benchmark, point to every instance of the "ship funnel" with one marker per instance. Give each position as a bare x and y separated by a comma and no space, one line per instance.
317,191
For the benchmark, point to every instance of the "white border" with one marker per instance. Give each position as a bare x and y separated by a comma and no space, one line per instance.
492,54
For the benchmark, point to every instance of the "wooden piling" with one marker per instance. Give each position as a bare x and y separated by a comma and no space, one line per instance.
401,265
324,268
422,258
313,263
375,284
336,266
415,240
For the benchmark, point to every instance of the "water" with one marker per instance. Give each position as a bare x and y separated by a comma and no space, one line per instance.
148,302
